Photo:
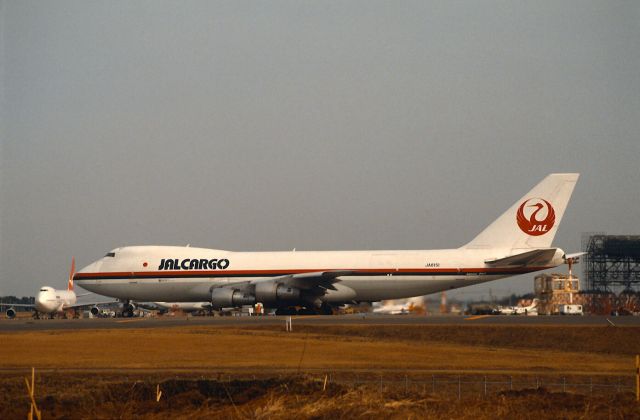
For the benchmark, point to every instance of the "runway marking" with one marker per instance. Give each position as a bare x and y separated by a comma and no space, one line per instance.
473,318
130,320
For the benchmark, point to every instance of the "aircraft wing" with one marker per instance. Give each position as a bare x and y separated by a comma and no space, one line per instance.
22,305
80,305
150,306
536,256
303,281
307,281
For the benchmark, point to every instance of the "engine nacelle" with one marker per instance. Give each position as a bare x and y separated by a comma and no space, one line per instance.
127,309
11,313
95,311
271,294
224,297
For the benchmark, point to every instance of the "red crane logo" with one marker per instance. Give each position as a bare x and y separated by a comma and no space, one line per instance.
538,221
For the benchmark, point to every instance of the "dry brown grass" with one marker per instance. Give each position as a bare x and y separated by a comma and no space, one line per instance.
328,348
592,339
113,373
110,398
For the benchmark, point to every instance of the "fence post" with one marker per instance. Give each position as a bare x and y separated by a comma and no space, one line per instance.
537,384
590,385
433,384
564,384
288,325
406,384
459,389
511,383
637,377
32,396
380,383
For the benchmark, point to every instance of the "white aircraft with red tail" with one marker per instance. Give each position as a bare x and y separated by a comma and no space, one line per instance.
518,242
50,301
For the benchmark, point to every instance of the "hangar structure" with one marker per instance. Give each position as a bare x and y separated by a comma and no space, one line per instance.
612,262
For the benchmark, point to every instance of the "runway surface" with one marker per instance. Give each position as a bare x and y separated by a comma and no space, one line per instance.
9,325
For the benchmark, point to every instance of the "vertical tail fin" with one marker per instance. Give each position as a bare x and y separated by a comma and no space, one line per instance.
532,222
71,273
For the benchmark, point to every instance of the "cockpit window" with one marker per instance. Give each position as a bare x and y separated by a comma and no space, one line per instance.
110,254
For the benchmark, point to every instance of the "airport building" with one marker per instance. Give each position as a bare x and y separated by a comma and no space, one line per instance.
554,291
611,279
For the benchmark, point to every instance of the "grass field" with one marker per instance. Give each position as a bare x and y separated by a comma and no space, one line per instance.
280,373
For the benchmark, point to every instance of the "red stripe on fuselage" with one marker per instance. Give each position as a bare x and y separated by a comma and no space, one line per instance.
271,273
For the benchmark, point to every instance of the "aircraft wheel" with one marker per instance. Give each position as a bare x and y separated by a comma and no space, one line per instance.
307,311
326,309
286,311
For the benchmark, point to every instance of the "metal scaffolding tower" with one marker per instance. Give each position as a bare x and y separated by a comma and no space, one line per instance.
612,262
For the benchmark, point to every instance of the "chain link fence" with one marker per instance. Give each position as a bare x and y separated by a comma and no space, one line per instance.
472,385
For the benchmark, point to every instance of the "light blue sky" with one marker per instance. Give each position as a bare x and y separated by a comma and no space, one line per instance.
249,125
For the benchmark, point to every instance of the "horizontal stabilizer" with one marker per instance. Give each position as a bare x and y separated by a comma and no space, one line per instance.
535,257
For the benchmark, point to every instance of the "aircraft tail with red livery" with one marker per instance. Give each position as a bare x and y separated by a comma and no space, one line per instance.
532,221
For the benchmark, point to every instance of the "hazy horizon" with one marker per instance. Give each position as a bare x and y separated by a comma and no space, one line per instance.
309,125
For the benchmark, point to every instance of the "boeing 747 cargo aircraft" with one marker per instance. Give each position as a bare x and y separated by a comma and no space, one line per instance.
517,242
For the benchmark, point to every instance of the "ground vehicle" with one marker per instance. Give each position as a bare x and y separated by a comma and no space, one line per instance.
570,310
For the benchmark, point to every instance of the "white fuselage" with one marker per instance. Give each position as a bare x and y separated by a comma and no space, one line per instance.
50,300
187,274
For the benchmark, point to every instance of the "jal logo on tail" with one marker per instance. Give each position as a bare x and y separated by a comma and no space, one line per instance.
536,216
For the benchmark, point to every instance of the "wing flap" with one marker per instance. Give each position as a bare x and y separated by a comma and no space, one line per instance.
307,281
324,279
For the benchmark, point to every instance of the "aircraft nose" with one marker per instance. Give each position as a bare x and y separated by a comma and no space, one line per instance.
42,303
94,267
85,282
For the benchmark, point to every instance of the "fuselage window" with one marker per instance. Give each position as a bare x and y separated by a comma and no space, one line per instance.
110,254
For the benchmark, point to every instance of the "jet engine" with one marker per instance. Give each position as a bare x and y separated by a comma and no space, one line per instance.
11,313
269,293
127,309
224,297
95,311
272,293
